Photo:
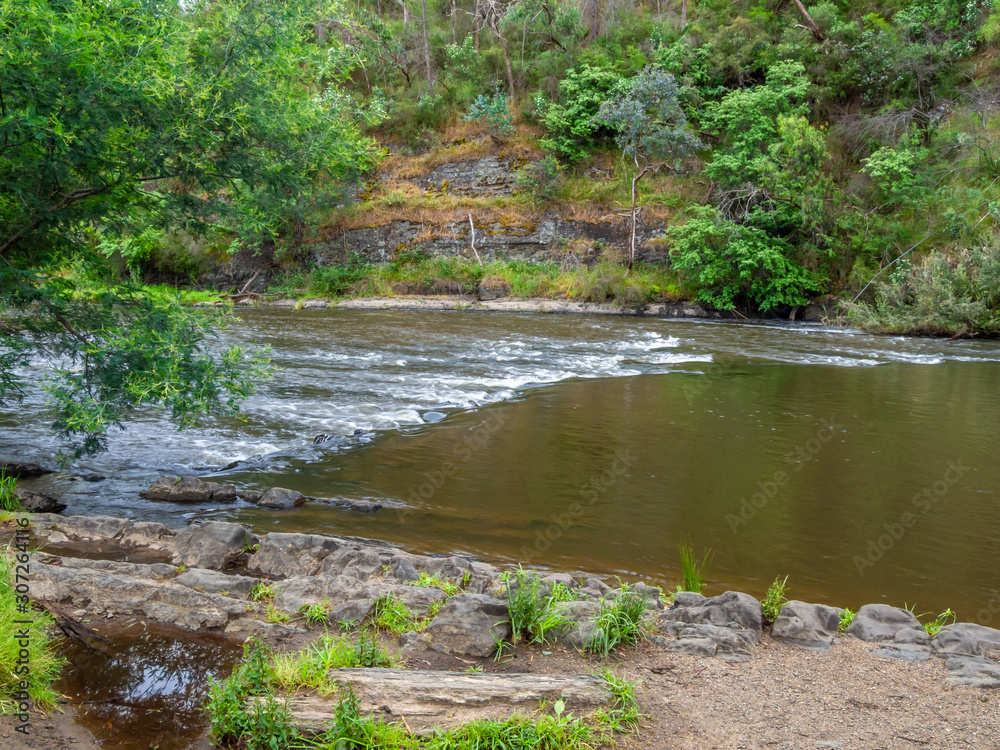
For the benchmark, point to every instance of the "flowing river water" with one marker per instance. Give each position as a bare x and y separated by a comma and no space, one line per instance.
865,468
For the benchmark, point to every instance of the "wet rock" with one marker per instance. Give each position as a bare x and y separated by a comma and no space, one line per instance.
188,489
732,610
811,626
36,502
564,578
251,496
24,469
282,555
471,625
214,582
213,545
966,639
362,506
92,477
80,528
279,498
880,622
972,671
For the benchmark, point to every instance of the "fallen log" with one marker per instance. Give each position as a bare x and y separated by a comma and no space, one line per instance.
425,699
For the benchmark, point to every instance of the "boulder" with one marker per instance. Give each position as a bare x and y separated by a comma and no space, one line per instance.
579,627
595,587
687,599
280,498
966,639
92,477
352,611
470,625
23,469
214,582
811,626
492,287
213,545
36,502
282,555
688,646
188,489
880,622
251,496
733,610
730,642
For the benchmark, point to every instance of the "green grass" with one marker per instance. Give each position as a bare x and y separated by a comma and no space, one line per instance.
933,627
315,614
846,618
424,580
694,571
44,664
774,599
309,668
533,613
8,502
620,622
391,615
262,591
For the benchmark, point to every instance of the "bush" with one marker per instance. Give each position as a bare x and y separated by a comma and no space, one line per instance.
938,297
732,265
570,122
541,178
532,613
492,112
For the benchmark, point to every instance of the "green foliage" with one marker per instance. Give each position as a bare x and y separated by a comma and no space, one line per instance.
45,664
940,296
541,178
391,615
533,613
846,618
492,112
648,121
315,614
262,591
933,627
570,123
895,171
730,264
310,667
624,713
8,501
424,579
620,621
774,599
337,281
693,569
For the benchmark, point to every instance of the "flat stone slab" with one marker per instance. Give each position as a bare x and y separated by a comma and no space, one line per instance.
426,699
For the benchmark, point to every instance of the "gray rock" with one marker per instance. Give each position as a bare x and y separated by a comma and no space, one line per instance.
973,671
687,599
966,639
188,489
690,646
812,626
212,545
733,610
280,498
579,628
282,555
911,652
80,528
564,578
24,469
214,582
470,624
36,502
911,636
298,591
92,477
729,641
404,571
352,611
880,622
414,641
595,587
492,288
251,496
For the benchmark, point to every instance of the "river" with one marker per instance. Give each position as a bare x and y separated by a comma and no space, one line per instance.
865,468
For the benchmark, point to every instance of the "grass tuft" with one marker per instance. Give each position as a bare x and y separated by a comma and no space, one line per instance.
695,571
774,599
620,622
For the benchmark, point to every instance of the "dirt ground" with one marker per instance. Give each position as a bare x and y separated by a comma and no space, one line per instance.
782,698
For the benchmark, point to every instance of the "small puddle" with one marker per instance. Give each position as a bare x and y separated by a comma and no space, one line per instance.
145,687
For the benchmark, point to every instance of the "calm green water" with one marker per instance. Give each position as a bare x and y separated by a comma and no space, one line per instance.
599,445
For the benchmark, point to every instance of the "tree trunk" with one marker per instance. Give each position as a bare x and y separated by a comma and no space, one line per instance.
454,15
477,24
684,13
810,24
427,48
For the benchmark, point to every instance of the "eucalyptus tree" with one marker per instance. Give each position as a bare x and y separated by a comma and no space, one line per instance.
652,130
112,114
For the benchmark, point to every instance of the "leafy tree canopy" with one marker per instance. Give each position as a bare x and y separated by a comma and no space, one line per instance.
123,112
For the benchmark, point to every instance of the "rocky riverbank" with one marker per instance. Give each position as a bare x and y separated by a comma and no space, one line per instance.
223,578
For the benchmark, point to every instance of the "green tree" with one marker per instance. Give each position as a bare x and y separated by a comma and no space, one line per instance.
212,112
651,129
